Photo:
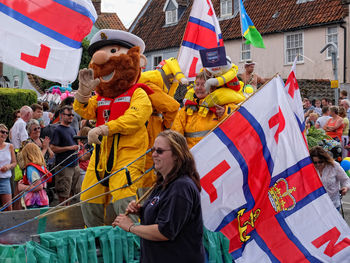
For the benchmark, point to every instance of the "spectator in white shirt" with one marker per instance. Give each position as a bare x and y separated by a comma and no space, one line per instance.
321,121
19,131
333,177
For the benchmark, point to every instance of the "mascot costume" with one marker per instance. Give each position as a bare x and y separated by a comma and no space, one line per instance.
163,81
121,109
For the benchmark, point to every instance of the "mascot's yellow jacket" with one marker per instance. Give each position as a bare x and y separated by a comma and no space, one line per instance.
164,106
130,142
194,126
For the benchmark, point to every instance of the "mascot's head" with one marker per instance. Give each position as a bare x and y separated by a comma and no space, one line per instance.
116,60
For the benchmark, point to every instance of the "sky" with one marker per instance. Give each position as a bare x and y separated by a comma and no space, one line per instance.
126,10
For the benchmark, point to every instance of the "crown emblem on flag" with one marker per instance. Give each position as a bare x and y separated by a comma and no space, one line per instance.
281,197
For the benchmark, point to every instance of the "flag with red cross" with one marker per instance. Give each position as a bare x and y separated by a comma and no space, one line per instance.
294,96
261,190
43,37
202,32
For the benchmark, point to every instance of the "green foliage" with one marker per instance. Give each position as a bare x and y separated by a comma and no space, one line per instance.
315,136
84,63
14,99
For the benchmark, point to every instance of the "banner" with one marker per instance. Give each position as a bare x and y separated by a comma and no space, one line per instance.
261,190
202,32
44,37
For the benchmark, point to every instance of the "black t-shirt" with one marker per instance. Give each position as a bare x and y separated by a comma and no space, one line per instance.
63,136
177,211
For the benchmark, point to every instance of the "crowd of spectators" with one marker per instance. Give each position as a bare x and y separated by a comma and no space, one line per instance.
53,134
39,141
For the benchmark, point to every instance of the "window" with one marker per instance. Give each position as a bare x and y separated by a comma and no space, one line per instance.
156,60
171,16
332,36
226,7
245,52
294,45
16,81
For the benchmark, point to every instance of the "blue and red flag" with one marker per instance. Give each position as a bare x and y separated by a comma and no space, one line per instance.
44,37
202,32
261,190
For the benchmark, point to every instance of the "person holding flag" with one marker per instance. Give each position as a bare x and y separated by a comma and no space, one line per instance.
171,227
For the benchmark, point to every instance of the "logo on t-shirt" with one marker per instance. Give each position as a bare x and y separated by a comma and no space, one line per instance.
154,200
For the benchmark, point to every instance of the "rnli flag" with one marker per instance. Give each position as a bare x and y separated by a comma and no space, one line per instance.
294,96
202,32
261,190
43,37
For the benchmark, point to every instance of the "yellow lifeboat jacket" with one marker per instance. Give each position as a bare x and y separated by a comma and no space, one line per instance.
164,108
132,142
195,126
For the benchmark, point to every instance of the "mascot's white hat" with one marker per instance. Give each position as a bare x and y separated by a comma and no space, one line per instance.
106,37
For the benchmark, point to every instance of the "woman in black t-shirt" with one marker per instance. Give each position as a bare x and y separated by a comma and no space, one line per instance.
171,227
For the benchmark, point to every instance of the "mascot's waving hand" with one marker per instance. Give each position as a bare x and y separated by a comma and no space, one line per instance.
121,109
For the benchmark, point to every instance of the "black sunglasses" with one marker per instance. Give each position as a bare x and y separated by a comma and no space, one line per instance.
70,115
158,150
319,162
4,132
37,128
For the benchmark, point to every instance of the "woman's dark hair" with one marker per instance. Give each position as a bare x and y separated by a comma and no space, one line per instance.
15,114
184,164
321,154
45,106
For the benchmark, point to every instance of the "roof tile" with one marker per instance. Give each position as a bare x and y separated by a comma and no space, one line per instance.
109,20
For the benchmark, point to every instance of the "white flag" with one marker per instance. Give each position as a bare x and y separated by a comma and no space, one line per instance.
202,32
44,37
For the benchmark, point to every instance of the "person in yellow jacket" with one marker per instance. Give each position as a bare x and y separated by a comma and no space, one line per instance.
165,107
121,109
189,120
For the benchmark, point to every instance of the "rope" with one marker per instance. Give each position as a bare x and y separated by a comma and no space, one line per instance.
24,192
56,210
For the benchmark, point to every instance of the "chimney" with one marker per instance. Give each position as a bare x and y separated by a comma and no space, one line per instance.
97,5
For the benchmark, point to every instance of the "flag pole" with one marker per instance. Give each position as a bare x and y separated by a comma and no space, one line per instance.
188,19
240,21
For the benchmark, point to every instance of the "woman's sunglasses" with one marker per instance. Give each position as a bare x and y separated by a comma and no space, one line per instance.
158,150
36,128
319,162
4,132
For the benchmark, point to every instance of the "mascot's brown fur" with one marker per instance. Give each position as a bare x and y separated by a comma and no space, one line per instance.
126,69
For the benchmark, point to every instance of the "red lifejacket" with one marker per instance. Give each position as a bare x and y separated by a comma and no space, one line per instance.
109,109
43,170
233,84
